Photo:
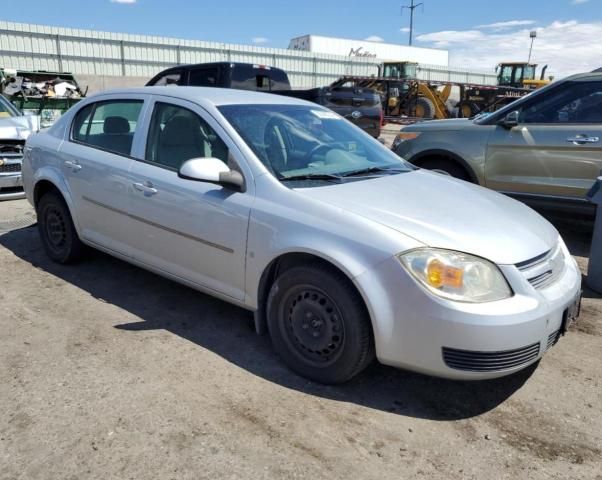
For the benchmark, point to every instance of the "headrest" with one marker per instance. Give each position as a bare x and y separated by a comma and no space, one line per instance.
181,130
116,125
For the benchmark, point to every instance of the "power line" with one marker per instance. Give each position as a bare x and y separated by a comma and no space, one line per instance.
411,8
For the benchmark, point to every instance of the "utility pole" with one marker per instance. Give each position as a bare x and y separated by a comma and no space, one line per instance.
533,36
411,8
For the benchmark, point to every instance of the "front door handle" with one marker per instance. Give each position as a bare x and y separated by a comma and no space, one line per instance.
73,165
146,187
582,139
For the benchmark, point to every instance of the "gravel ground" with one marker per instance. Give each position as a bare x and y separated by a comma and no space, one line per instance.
107,371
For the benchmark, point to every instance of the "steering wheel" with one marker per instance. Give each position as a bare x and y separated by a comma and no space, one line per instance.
314,151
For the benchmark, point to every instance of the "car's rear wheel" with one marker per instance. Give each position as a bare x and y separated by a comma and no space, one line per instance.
319,325
58,234
446,167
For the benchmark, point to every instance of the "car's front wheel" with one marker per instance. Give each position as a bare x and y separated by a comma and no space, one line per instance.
445,167
319,325
57,232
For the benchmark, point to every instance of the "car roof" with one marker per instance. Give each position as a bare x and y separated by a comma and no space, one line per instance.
585,76
210,96
189,66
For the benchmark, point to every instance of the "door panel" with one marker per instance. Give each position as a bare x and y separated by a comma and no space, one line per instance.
100,193
556,149
96,165
538,159
194,230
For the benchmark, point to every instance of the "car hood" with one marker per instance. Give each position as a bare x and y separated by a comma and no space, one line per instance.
443,212
18,128
439,125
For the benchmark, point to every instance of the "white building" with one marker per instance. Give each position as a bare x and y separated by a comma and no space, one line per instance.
367,49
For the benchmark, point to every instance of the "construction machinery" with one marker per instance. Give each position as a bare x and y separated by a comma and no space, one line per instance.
406,98
520,75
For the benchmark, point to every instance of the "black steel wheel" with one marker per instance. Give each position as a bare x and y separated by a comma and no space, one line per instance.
57,231
314,325
319,325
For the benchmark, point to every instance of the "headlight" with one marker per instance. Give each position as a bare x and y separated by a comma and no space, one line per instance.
456,276
404,137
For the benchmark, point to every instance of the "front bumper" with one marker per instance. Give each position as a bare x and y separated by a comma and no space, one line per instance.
11,181
419,331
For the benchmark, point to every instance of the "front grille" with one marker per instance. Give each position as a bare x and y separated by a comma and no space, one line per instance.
12,147
475,361
542,280
553,339
10,167
543,270
533,262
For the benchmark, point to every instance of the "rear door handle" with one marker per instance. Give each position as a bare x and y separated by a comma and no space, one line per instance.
146,187
581,139
73,165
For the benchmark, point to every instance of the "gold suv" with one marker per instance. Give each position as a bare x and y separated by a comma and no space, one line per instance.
544,148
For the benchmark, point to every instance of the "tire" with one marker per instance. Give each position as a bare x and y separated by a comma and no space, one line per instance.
425,108
319,325
467,110
446,167
57,232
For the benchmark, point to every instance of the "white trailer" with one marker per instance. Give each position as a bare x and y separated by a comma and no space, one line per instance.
368,49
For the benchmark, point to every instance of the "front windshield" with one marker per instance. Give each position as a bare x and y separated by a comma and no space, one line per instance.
305,142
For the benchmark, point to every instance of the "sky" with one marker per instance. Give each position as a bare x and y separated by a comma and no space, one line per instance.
478,33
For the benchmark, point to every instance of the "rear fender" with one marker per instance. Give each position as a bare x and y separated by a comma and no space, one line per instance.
53,175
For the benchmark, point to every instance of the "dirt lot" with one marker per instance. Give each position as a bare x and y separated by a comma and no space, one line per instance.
107,371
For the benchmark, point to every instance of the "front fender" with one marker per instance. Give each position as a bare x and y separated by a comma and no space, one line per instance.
475,171
349,243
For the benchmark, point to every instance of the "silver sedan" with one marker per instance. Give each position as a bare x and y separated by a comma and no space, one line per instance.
14,130
342,250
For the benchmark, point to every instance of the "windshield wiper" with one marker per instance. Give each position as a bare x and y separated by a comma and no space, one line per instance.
373,170
312,176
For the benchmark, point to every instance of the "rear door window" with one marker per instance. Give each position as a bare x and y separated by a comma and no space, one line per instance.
108,125
203,77
255,77
171,78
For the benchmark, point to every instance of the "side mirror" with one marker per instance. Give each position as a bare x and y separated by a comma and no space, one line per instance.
211,170
511,119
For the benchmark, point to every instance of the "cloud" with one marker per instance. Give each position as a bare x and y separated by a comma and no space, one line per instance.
578,2
374,38
508,24
446,38
566,46
128,2
260,40
404,29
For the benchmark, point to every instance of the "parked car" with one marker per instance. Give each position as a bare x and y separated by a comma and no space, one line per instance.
544,148
341,249
361,106
14,130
